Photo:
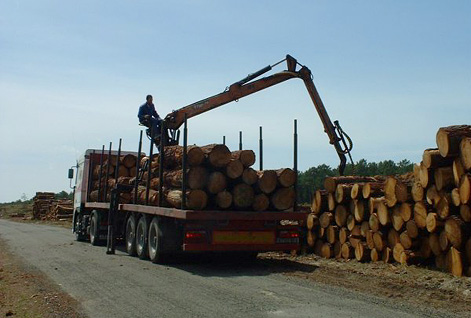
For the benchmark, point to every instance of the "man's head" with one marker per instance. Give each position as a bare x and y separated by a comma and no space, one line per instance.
149,99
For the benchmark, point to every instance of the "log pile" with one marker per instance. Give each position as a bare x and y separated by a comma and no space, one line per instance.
419,218
216,179
46,207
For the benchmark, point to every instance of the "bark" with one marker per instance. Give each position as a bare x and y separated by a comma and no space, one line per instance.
261,202
332,233
217,155
444,178
465,188
216,182
330,183
456,231
283,198
286,177
326,219
234,169
449,138
455,262
433,159
359,212
458,171
224,199
396,218
373,189
312,221
246,157
195,199
267,181
249,176
242,196
341,215
433,223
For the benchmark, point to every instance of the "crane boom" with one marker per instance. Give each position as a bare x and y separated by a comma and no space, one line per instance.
341,142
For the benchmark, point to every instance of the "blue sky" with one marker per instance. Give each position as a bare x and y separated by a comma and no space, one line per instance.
72,75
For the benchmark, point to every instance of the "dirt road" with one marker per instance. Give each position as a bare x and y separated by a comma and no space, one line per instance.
122,286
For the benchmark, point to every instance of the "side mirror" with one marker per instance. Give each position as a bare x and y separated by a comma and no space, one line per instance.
71,173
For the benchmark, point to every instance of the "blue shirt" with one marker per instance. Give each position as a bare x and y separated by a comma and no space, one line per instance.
147,109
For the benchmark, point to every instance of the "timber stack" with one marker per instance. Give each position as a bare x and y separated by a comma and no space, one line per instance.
216,179
47,207
422,217
41,204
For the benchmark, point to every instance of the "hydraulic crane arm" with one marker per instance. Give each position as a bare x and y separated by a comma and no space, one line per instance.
342,143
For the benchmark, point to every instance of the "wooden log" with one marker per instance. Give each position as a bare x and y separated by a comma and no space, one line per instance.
406,211
224,200
342,192
375,255
397,189
383,215
234,169
332,233
330,201
441,261
444,206
337,250
456,231
350,222
410,257
467,251
356,191
197,178
318,247
195,199
458,171
217,155
330,183
443,240
416,171
374,222
364,227
320,232
397,251
433,223
319,201
283,198
249,176
425,250
267,181
343,235
406,241
173,156
412,229
216,182
433,159
242,196
312,221
434,243
465,188
370,243
246,157
455,262
310,238
379,239
359,210
326,219
443,177
372,189
465,213
425,176
373,204
393,237
348,252
129,161
354,240
386,255
420,214
93,196
396,218
449,139
327,250
341,215
417,192
432,195
362,253
286,177
154,183
455,197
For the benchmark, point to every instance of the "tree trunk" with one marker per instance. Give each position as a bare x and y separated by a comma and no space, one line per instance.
286,177
433,159
319,201
195,199
246,157
267,181
443,177
356,192
374,222
216,182
312,221
343,235
420,214
456,231
379,241
373,189
283,198
396,219
406,211
217,155
359,211
362,253
465,213
393,237
261,202
433,223
449,138
465,188
343,192
197,178
417,192
249,176
455,262
330,183
129,161
332,233
458,171
443,240
412,229
341,215
234,169
242,196
224,199
383,215
348,252
425,176
326,219
375,255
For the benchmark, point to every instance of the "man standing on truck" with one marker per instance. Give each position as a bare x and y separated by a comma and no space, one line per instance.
148,116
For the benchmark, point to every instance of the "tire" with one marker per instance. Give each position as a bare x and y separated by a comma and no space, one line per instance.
79,236
155,241
131,235
94,229
141,237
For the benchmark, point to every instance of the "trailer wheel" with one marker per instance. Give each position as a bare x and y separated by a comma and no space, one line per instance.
141,237
155,241
131,235
94,229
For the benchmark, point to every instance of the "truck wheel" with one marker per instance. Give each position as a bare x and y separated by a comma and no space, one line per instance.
94,229
79,236
141,237
156,230
131,235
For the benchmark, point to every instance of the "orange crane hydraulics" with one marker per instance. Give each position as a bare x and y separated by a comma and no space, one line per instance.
341,141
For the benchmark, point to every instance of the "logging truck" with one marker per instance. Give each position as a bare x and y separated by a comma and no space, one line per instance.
170,203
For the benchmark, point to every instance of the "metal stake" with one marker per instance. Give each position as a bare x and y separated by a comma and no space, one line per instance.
295,161
149,166
240,140
136,181
184,163
260,144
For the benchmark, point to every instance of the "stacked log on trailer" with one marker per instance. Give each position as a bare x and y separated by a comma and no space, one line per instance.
419,218
216,179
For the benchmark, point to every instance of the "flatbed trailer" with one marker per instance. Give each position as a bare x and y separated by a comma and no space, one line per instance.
158,232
